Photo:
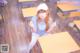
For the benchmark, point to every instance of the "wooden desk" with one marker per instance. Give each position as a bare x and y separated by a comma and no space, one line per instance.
29,11
67,7
58,43
74,14
77,23
64,7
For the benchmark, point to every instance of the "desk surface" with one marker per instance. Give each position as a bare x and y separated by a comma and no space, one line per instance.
58,43
29,11
67,7
73,14
76,22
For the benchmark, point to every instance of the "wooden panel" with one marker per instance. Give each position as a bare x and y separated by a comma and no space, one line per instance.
58,43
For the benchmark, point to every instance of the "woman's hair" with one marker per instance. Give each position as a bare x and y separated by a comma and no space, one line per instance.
46,18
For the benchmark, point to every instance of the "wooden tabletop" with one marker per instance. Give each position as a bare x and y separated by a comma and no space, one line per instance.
58,43
74,14
29,11
67,7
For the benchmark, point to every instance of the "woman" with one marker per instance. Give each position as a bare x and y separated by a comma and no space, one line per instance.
41,24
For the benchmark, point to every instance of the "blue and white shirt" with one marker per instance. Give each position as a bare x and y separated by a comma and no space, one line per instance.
41,26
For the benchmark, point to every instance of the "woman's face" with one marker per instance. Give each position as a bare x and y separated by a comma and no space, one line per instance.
42,15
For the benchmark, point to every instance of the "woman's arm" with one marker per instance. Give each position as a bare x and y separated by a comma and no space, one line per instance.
32,26
52,25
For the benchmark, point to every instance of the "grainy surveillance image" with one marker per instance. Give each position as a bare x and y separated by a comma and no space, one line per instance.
39,26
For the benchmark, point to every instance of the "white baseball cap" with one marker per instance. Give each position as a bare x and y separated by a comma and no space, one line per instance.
42,6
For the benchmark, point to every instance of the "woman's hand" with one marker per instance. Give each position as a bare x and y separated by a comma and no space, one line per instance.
49,31
53,25
33,30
